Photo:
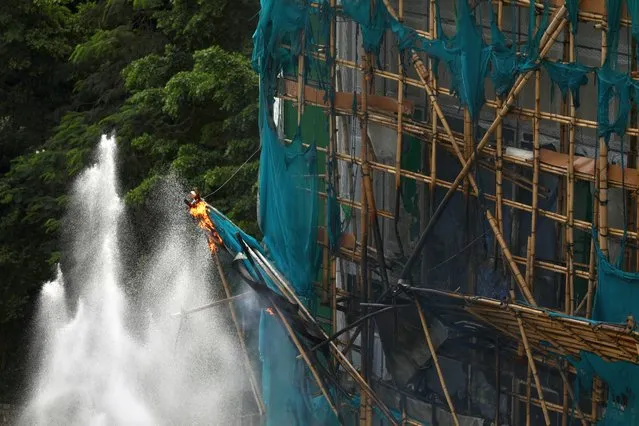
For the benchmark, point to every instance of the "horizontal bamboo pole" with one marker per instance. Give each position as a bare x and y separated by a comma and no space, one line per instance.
562,219
421,131
551,406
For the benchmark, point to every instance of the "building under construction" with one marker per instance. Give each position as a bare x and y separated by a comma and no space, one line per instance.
448,202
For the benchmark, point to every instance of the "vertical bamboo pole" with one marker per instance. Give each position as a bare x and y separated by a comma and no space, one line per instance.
633,200
569,237
300,80
433,354
255,388
603,173
530,272
570,194
332,150
597,211
533,368
400,125
434,119
528,394
364,217
499,141
497,377
468,150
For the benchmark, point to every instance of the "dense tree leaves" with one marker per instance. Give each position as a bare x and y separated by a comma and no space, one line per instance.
171,78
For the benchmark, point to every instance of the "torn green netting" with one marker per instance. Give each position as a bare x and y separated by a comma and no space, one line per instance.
573,14
615,300
613,86
288,210
505,63
568,77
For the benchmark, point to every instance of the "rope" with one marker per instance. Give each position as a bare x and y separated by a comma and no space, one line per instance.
234,173
458,253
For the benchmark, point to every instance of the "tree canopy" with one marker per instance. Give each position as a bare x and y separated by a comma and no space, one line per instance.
171,78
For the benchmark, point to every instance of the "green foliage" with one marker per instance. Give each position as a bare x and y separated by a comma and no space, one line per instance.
172,79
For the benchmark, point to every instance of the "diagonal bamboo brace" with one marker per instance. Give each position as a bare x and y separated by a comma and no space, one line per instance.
554,29
255,389
533,367
431,348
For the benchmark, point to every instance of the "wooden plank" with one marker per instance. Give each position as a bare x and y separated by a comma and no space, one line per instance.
344,100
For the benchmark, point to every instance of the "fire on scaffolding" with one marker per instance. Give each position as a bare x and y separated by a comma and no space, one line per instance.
448,203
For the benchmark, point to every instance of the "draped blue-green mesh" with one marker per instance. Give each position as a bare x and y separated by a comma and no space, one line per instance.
568,77
573,14
288,215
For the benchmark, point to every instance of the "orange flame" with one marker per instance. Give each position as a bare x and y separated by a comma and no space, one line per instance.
269,311
199,211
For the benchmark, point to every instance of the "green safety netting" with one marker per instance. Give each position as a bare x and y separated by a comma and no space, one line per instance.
568,77
288,215
615,299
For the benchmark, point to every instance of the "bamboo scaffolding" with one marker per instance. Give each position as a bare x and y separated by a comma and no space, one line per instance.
306,359
564,338
518,86
551,406
578,224
255,388
433,354
422,131
287,291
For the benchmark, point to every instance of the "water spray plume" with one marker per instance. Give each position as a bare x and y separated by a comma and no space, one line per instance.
104,358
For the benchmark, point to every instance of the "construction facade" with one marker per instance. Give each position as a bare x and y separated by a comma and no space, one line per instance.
449,189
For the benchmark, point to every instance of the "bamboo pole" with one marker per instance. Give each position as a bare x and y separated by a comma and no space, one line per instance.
528,393
334,150
255,389
304,355
400,129
521,282
569,391
431,348
530,273
570,195
364,217
533,368
300,80
603,172
499,144
434,114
